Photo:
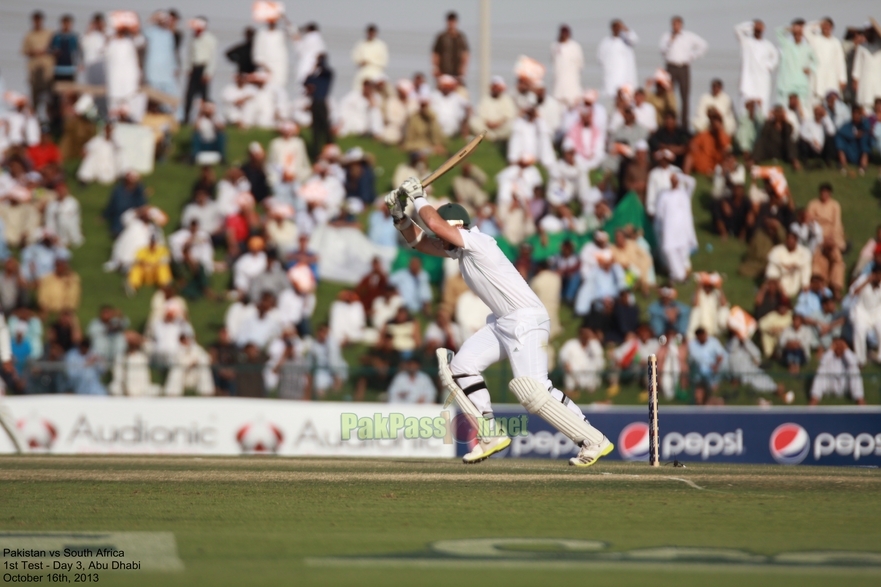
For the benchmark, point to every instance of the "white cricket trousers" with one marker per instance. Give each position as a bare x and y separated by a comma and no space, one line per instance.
522,336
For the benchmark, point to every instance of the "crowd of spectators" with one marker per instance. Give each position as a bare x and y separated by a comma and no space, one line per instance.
594,206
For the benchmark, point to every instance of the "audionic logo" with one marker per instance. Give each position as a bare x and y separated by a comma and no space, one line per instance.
633,442
38,433
259,438
789,444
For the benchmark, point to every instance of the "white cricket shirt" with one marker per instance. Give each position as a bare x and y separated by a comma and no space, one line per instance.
491,276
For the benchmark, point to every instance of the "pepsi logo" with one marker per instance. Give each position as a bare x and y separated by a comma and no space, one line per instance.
633,442
259,438
38,433
790,444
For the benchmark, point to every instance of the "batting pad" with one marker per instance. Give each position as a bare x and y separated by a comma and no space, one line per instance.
538,400
446,376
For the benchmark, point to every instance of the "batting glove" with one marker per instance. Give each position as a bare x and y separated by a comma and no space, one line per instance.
411,188
395,206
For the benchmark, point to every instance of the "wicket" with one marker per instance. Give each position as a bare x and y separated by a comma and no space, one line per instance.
653,410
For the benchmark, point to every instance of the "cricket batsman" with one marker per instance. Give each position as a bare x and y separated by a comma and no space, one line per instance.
518,328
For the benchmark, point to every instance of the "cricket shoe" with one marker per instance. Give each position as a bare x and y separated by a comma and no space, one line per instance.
591,453
485,449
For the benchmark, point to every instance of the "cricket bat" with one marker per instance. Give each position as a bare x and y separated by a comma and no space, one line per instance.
454,160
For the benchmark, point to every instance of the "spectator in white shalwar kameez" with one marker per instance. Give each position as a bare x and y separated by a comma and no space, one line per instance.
270,52
569,180
139,227
531,138
260,109
124,76
865,314
550,110
659,179
568,62
866,71
721,102
62,217
94,45
583,362
22,125
676,223
759,59
287,162
588,135
360,112
496,112
449,106
838,375
348,320
371,57
745,358
199,243
235,98
831,68
191,369
249,265
102,159
396,109
308,47
617,59
790,263
131,371
411,386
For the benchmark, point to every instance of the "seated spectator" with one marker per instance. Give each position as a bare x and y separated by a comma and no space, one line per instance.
588,255
496,112
666,314
583,362
809,231
775,140
838,375
29,321
404,330
79,126
707,149
397,108
422,131
790,263
207,213
568,265
795,344
745,358
378,366
107,333
708,360
253,169
84,369
261,325
719,101
442,333
249,265
224,358
209,134
772,325
140,225
865,313
710,307
530,138
249,371
413,285
672,137
569,180
273,279
636,261
327,368
191,369
59,291
630,359
360,112
152,267
348,321
836,109
235,99
662,98
588,136
854,141
548,285
65,331
286,368
828,259
623,144
599,292
62,217
450,106
809,304
415,166
360,179
672,365
47,376
131,370
102,158
127,194
39,258
768,234
260,110
625,317
45,152
411,386
281,229
13,287
732,214
816,137
164,126
21,349
164,342
768,298
381,227
870,250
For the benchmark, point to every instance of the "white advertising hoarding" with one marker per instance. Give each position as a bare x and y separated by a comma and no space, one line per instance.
217,426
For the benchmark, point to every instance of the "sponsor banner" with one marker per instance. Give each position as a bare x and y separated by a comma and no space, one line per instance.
221,426
843,436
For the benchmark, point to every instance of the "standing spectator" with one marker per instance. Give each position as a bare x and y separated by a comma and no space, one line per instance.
866,70
449,55
865,314
718,100
759,60
84,370
242,54
411,386
203,62
583,363
318,85
370,56
59,291
94,45
327,368
707,359
190,369
676,223
41,61
568,60
412,283
798,63
748,129
131,371
568,265
62,217
124,69
309,46
66,51
617,59
830,73
679,49
160,58
270,52
838,374
13,287
828,260
223,363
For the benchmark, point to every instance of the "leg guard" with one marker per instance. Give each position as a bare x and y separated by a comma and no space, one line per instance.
537,400
444,356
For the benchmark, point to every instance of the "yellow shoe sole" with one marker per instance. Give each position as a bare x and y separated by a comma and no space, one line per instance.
609,449
489,453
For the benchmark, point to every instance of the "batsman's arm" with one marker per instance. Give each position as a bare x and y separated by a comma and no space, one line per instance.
416,238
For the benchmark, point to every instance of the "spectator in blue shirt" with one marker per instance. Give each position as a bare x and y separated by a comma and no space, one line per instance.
84,369
707,358
381,228
38,259
318,86
666,313
413,286
854,141
65,47
809,304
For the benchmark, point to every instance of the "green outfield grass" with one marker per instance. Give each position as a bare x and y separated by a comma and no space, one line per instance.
267,521
173,179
